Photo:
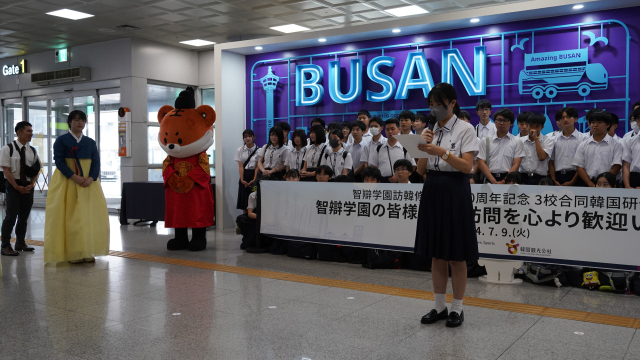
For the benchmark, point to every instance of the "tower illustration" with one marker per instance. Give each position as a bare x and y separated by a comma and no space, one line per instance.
269,84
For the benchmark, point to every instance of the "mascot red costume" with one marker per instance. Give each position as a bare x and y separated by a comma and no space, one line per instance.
186,132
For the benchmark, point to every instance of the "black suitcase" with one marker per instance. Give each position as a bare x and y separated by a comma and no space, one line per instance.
301,250
383,259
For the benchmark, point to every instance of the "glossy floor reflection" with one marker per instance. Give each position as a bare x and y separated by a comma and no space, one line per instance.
134,309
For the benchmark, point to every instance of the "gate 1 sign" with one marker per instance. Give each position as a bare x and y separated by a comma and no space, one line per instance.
538,65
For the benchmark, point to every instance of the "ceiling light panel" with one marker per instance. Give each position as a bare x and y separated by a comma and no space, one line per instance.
291,28
197,42
70,14
407,11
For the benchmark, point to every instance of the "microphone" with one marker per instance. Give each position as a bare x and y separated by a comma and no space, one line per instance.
432,122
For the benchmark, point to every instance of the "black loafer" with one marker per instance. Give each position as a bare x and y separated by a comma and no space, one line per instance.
24,247
8,251
433,316
455,319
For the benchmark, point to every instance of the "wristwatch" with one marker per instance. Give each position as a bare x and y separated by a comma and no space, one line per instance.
445,157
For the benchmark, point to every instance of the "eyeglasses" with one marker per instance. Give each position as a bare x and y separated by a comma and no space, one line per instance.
484,110
501,121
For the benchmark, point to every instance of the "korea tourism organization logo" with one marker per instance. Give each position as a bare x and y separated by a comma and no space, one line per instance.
512,247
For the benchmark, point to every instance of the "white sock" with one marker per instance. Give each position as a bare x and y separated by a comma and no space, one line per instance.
441,302
456,306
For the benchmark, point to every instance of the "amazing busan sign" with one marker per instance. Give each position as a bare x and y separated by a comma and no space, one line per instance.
584,65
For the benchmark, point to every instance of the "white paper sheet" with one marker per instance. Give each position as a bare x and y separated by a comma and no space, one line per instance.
410,142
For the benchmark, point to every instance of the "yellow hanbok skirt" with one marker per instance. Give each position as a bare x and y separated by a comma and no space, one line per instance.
76,224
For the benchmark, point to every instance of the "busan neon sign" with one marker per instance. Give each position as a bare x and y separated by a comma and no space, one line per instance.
310,91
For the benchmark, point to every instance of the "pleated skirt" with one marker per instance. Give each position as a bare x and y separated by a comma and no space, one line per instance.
244,192
446,224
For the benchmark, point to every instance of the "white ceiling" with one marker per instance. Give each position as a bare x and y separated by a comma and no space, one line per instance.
25,28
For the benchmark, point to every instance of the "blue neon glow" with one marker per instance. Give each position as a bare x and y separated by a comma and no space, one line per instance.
302,83
424,80
388,84
474,85
355,82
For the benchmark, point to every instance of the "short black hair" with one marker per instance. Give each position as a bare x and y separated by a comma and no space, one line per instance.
347,125
536,119
599,115
21,125
334,125
547,180
637,103
321,138
284,125
615,120
341,178
421,117
464,115
302,135
407,114
372,172
559,114
442,92
481,104
358,124
392,121
318,120
505,113
337,133
403,162
248,132
514,177
293,173
611,179
364,112
524,116
324,169
378,120
571,112
279,133
74,114
635,115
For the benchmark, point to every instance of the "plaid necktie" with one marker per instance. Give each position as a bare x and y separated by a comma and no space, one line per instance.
23,165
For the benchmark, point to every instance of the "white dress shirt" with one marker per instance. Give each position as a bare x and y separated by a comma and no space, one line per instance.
295,159
387,157
337,161
366,152
631,153
356,151
243,153
13,161
483,131
273,156
502,152
564,150
530,162
457,136
598,157
313,155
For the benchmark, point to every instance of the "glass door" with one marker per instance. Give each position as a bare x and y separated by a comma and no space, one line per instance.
58,113
110,178
11,116
37,111
87,105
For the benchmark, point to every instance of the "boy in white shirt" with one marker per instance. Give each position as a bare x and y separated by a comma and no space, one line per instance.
402,170
537,150
384,156
505,150
565,145
337,159
631,159
635,129
486,127
406,118
375,128
356,149
599,153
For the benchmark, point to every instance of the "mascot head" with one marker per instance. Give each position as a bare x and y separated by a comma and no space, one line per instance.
186,130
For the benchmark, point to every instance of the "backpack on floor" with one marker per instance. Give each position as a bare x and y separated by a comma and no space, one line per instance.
278,247
327,252
619,281
383,259
301,250
354,255
635,284
574,275
413,261
544,274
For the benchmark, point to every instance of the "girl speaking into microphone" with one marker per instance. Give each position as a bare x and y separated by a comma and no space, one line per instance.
446,226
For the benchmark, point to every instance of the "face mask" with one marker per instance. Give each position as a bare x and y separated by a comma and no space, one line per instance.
334,143
440,112
634,126
374,131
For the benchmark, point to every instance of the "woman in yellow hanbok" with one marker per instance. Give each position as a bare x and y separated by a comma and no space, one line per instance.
76,226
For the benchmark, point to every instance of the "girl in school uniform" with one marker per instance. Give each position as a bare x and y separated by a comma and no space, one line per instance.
315,152
446,227
246,156
273,154
295,159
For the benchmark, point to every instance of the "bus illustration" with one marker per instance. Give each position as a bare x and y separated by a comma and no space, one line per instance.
548,73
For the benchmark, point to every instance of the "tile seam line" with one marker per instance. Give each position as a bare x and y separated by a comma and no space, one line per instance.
603,319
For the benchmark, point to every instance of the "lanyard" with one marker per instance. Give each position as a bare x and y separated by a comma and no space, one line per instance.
315,150
391,166
273,150
334,163
298,167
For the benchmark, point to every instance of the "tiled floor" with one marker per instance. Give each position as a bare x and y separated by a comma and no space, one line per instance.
136,309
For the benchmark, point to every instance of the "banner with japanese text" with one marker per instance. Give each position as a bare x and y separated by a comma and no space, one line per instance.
562,225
